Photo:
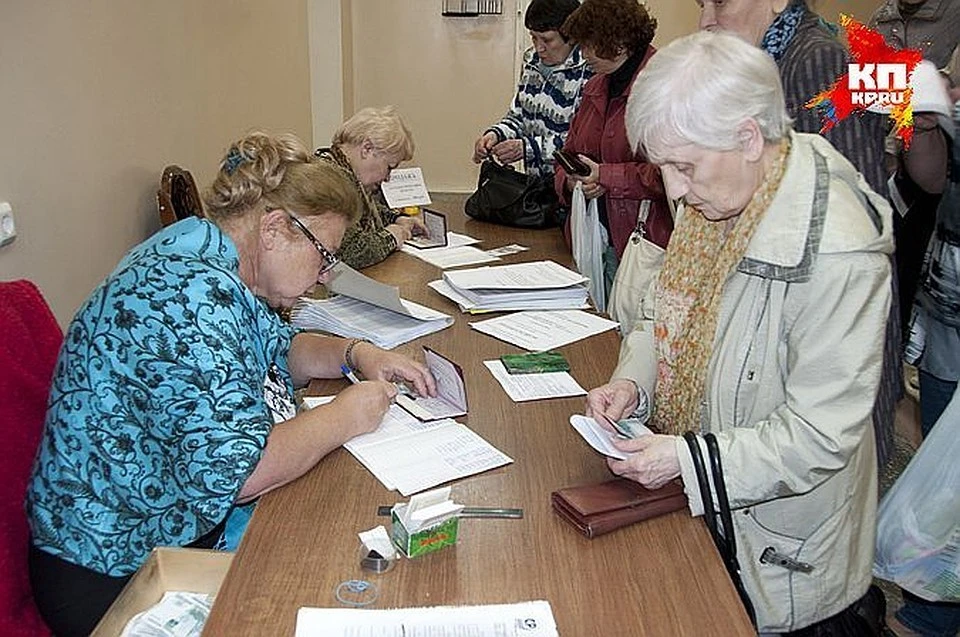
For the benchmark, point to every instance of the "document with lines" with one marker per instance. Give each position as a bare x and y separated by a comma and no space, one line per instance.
364,308
522,619
409,456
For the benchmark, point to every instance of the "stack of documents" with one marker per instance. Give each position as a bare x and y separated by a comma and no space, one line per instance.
409,455
364,308
537,285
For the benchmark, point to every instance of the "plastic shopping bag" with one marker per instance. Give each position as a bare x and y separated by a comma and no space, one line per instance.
589,243
918,524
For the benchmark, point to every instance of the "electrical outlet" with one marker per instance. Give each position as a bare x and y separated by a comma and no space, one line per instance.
8,229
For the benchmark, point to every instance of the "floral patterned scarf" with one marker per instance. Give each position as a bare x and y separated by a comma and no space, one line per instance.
780,33
701,256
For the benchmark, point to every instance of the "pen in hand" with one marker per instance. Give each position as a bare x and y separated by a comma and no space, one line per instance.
349,374
402,387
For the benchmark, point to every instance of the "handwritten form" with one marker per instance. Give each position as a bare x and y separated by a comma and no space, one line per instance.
409,456
523,619
524,387
540,331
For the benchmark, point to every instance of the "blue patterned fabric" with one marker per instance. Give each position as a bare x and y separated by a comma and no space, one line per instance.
157,414
780,33
542,109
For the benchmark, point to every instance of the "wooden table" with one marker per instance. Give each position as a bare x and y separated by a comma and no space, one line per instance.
661,577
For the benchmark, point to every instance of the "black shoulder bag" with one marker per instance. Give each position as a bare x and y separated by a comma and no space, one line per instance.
511,198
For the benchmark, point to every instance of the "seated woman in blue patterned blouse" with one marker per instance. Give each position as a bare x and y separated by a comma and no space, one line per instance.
172,396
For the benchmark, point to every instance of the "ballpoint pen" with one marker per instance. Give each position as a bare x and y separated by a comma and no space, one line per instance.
472,512
349,374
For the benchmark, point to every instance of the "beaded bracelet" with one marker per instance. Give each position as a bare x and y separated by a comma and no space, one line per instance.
348,353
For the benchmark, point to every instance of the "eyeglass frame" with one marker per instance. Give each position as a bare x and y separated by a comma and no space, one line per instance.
330,260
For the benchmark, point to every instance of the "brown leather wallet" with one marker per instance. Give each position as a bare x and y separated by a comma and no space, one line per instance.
595,509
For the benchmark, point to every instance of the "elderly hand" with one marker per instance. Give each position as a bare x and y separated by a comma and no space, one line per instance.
509,151
483,146
413,224
364,404
592,188
653,461
376,363
400,232
615,400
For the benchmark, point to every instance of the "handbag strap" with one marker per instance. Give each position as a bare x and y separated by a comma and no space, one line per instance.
709,515
729,550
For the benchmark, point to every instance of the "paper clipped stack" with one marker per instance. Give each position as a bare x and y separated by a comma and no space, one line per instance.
364,308
536,285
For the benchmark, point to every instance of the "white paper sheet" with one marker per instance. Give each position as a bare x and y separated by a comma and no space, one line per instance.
352,318
175,615
405,187
524,387
452,257
523,619
466,305
506,250
539,331
432,457
531,275
597,437
411,455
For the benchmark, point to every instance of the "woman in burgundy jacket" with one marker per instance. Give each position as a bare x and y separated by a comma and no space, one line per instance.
614,36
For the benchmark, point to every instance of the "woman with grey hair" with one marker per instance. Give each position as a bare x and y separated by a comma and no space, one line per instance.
764,327
811,57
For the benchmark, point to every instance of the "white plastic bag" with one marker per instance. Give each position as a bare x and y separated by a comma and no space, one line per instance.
918,524
589,243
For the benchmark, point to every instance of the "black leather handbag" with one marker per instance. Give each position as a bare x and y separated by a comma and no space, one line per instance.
510,198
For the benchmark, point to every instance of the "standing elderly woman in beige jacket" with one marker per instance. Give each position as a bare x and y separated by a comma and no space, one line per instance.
765,326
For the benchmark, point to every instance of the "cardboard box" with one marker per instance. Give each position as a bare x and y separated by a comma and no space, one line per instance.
424,540
167,569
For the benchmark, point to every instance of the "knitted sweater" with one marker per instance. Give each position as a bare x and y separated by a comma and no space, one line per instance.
542,108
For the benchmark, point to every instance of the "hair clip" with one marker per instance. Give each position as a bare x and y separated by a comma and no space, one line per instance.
233,161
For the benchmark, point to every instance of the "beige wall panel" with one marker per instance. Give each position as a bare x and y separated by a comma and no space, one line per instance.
98,96
450,77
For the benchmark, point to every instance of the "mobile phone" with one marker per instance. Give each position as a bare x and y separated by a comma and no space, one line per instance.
535,363
571,163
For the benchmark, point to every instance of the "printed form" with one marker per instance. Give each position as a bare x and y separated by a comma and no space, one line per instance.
409,455
540,331
524,619
524,387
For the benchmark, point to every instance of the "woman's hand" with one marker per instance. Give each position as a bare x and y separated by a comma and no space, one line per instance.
653,460
379,364
364,404
590,183
406,227
615,400
509,151
483,146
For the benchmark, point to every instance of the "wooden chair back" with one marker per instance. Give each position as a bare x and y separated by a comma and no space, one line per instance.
178,197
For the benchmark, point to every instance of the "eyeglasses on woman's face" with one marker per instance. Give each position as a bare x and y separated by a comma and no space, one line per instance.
330,260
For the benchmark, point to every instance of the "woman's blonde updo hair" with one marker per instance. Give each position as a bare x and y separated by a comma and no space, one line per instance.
278,172
382,126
